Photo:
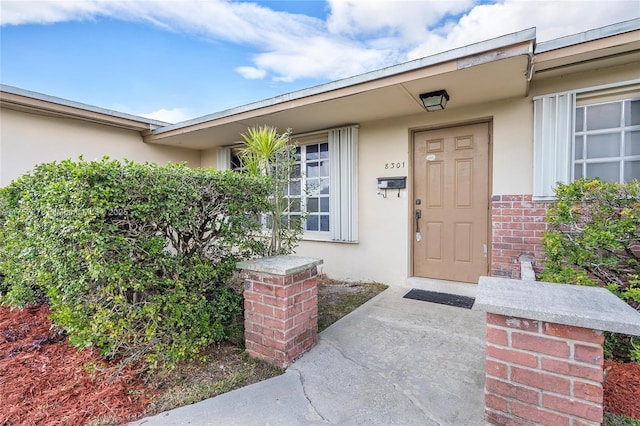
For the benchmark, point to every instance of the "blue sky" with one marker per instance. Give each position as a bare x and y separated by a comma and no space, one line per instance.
176,60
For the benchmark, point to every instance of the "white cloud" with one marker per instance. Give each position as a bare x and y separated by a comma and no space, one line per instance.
322,57
251,73
407,20
552,19
174,115
358,35
16,12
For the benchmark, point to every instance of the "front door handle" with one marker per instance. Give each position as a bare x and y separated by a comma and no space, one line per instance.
418,215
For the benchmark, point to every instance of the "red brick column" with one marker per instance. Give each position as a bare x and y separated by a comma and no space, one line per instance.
542,373
281,308
518,225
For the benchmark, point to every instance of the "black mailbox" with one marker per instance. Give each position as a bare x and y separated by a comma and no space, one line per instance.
392,182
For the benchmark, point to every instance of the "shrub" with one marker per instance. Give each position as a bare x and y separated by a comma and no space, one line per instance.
134,259
594,239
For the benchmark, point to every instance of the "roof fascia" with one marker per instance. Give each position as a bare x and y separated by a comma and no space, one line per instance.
587,36
38,102
495,44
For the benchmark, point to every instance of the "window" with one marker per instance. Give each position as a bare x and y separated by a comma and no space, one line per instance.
310,189
592,133
324,184
229,158
607,141
235,162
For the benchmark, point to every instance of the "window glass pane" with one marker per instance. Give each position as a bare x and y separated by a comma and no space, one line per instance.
605,171
604,116
313,186
324,168
324,150
295,187
601,146
324,223
312,170
294,220
312,223
236,163
295,171
632,143
312,205
294,205
297,155
324,186
578,148
631,170
324,204
579,119
312,152
577,171
632,113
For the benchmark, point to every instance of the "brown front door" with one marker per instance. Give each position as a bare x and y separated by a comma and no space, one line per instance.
451,200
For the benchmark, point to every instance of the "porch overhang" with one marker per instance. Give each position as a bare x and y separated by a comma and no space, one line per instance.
601,48
476,74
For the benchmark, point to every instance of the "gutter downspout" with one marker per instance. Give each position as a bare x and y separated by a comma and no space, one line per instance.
530,64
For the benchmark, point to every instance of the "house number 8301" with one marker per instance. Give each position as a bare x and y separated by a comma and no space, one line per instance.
398,165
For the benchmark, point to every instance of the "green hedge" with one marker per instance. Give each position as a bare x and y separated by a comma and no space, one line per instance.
594,239
134,259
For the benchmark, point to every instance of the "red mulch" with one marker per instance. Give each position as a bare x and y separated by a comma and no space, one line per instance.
622,388
45,381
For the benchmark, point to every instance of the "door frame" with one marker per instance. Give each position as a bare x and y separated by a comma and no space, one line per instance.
411,198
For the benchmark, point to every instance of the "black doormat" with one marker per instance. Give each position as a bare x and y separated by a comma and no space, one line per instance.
441,298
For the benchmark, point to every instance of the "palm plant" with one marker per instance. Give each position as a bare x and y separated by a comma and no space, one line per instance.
270,154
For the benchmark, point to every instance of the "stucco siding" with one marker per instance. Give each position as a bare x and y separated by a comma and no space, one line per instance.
384,249
28,139
209,158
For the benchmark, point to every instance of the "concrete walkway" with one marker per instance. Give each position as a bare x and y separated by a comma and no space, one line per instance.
393,361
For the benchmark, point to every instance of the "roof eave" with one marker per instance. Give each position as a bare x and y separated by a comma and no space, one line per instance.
25,100
496,44
587,36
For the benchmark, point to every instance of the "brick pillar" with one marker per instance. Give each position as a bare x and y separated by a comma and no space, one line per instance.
542,373
281,307
544,352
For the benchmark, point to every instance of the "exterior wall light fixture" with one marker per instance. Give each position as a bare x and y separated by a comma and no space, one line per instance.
435,101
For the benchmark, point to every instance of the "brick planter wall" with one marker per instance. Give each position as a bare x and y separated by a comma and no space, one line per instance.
281,308
544,353
541,372
518,225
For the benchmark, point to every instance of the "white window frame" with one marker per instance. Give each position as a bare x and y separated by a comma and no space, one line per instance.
343,182
554,135
311,187
623,130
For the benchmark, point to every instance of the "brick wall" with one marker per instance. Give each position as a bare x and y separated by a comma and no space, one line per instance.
518,224
542,373
281,315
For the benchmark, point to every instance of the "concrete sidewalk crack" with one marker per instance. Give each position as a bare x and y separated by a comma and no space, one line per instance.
304,392
395,385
